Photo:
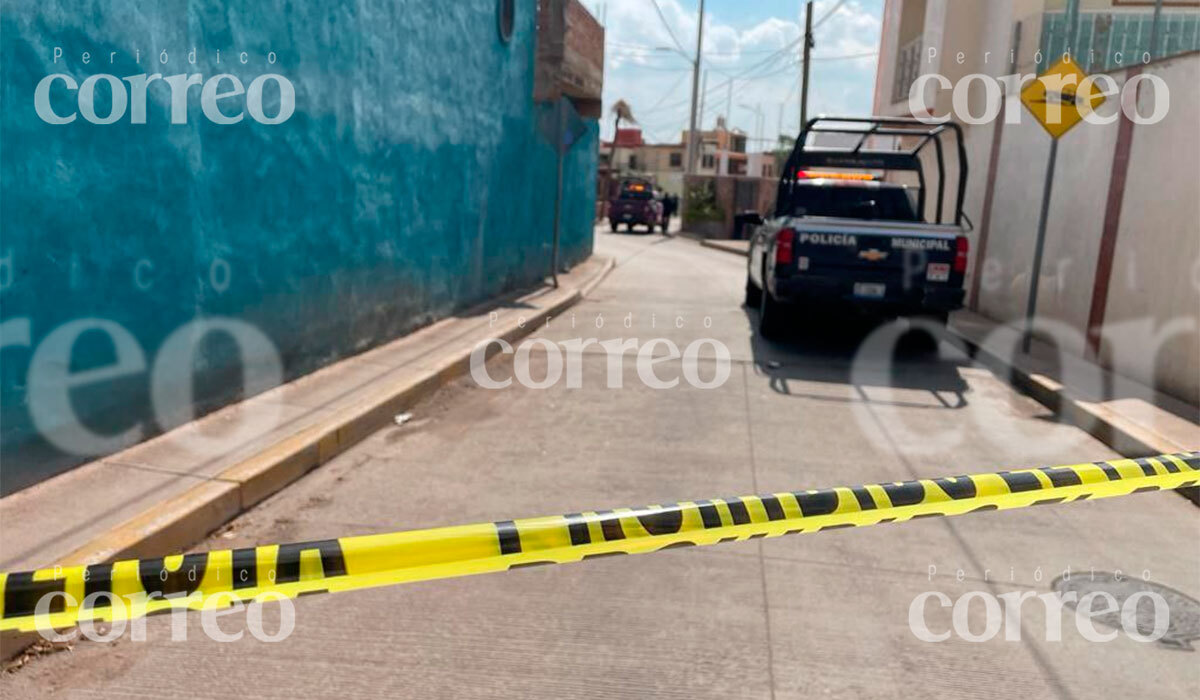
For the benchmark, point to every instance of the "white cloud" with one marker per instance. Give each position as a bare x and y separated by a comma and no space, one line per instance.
657,82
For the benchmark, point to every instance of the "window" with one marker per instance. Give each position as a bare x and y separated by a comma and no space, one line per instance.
708,161
850,203
676,160
633,161
908,67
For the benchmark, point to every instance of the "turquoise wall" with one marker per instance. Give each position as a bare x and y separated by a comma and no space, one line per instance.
409,182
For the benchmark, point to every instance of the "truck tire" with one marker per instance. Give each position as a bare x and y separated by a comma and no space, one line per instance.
613,225
771,316
923,342
753,294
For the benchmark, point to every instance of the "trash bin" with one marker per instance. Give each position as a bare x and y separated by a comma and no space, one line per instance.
742,220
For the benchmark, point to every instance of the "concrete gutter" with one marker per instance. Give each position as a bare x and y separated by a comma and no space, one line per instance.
1132,427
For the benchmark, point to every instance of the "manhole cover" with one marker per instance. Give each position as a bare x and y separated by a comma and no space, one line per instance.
1184,625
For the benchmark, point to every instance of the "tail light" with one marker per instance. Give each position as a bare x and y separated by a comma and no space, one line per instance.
820,175
785,246
962,247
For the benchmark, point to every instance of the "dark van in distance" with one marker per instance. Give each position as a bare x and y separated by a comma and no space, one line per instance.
636,205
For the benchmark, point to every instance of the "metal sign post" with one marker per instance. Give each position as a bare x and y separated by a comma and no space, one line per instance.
561,125
560,153
1056,99
1057,112
1039,247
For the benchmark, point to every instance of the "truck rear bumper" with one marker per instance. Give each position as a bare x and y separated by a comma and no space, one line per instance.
917,299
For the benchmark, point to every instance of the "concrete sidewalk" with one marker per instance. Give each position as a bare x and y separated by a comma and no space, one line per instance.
1132,418
168,493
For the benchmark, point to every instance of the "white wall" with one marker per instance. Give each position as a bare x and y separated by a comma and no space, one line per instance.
1156,276
1155,283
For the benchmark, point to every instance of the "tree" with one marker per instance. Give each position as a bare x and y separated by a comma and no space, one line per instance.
621,112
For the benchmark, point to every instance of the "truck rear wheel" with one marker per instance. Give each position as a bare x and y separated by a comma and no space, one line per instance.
771,316
753,294
925,338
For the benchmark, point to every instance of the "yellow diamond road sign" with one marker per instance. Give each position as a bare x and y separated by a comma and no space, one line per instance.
1059,99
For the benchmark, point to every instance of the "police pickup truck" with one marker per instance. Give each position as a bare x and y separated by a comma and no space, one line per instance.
848,239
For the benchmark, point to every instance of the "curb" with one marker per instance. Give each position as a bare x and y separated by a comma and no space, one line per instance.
182,521
1126,438
717,244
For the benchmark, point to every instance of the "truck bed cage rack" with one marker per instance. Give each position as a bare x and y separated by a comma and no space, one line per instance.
858,156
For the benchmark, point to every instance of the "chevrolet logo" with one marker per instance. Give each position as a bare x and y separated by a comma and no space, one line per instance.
872,255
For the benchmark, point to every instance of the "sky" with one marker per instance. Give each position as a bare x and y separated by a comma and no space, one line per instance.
645,66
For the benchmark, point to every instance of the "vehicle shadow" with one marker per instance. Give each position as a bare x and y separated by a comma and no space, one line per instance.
862,353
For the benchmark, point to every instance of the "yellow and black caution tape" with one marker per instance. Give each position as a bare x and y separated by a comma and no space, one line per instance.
133,588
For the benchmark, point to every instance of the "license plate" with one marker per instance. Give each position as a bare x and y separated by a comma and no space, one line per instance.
627,216
870,290
938,272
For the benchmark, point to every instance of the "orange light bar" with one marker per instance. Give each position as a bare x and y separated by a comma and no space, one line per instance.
816,175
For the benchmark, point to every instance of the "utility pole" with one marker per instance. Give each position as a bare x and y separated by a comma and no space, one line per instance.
691,145
757,109
778,126
703,90
729,104
808,46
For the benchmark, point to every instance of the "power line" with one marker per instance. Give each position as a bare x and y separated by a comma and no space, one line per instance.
667,94
736,52
767,67
829,14
770,73
663,69
667,26
656,49
847,57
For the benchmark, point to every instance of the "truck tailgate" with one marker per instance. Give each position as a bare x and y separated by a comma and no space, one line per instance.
872,247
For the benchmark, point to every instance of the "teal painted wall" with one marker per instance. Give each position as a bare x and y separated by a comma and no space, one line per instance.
409,182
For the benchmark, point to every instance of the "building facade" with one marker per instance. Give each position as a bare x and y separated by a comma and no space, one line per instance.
407,181
722,153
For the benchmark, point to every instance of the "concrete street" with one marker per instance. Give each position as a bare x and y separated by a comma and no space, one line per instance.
803,616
